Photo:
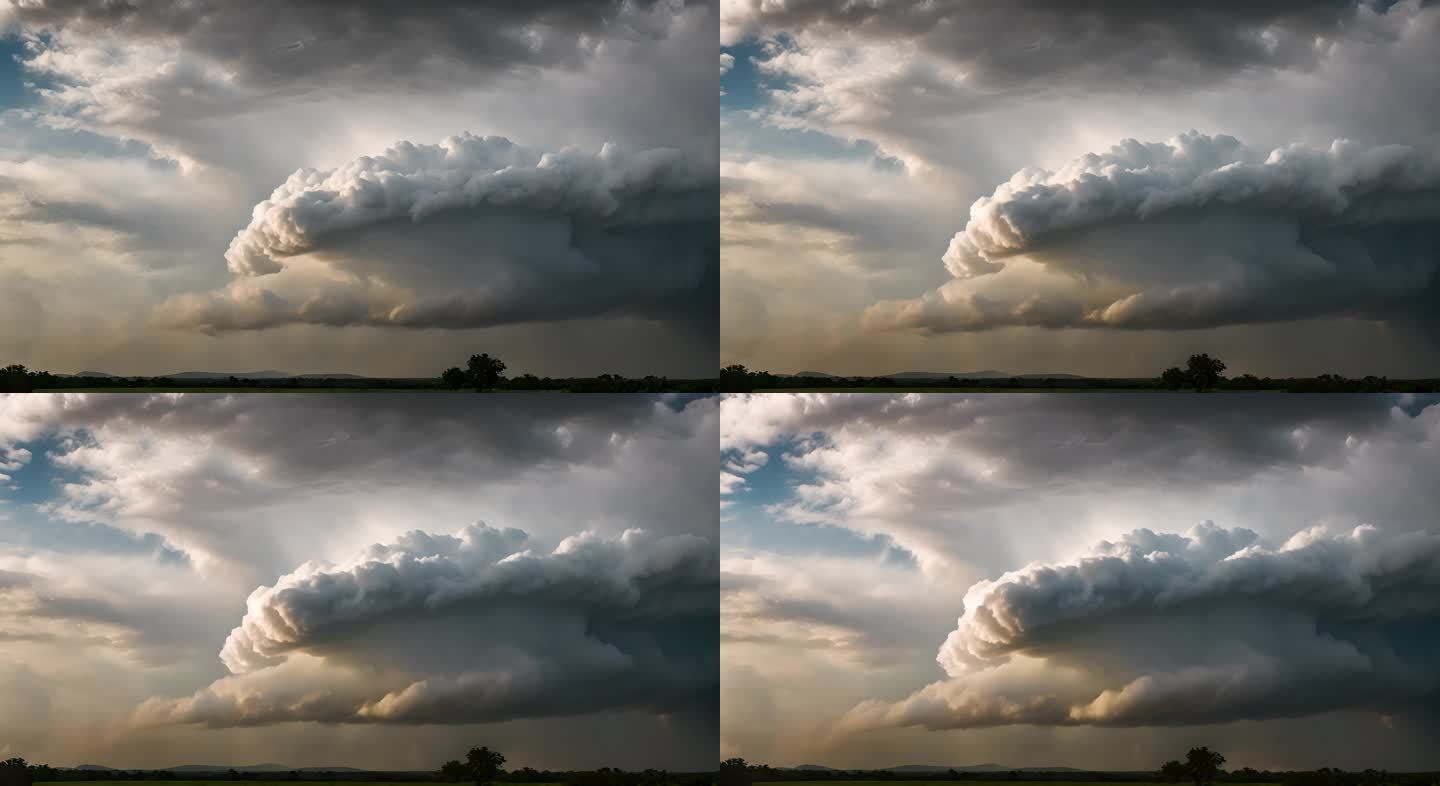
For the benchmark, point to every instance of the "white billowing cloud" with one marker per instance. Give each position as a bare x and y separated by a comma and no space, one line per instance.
473,232
416,182
727,62
1208,627
1197,232
476,627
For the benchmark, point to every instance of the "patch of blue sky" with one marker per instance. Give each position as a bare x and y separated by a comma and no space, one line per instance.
746,132
751,524
24,521
14,92
740,87
745,91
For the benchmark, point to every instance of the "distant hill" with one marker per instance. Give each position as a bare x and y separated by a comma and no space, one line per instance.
989,374
939,769
815,767
814,374
93,767
330,376
266,767
106,376
271,374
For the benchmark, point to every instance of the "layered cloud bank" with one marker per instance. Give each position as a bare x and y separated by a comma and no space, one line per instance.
475,232
1010,44
223,478
1198,232
472,628
1213,626
311,38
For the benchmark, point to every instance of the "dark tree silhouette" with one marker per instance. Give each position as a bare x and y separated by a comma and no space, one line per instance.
16,379
734,772
454,771
484,764
1173,378
15,772
453,378
484,371
1203,765
1204,371
1173,771
736,379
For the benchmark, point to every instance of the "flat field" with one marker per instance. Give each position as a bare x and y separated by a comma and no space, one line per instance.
977,783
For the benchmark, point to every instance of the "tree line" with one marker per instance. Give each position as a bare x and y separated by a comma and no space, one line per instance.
1202,372
483,372
481,767
1200,767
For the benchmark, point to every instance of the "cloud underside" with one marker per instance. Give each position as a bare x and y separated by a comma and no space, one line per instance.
473,232
277,42
1198,232
471,628
1209,627
1007,46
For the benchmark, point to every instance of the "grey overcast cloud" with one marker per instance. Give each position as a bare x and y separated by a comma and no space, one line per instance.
377,188
378,582
1096,188
1096,581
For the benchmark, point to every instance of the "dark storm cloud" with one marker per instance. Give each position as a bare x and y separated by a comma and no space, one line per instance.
1121,438
1211,627
275,42
478,232
1199,232
308,438
210,473
474,628
1038,43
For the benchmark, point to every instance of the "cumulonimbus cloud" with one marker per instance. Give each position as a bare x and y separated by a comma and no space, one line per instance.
472,628
474,232
1209,627
1197,232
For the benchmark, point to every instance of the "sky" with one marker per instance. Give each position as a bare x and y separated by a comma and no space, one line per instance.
382,188
1095,188
1077,580
373,582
